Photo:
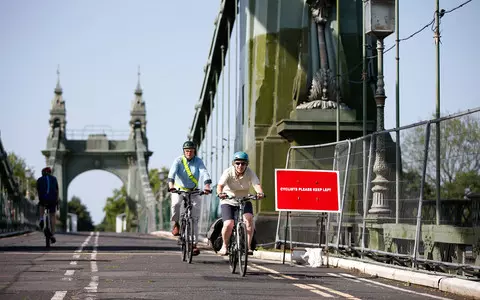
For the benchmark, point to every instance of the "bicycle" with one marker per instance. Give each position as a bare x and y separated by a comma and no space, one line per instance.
238,244
186,224
46,227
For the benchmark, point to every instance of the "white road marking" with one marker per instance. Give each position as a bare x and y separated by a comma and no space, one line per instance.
93,285
394,287
321,287
312,289
59,295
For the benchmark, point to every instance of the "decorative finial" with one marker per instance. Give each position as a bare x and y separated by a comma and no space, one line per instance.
58,88
138,90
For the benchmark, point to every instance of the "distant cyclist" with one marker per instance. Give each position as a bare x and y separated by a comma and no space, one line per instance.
47,189
236,181
184,175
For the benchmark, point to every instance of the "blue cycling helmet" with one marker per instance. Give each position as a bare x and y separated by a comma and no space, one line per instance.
240,155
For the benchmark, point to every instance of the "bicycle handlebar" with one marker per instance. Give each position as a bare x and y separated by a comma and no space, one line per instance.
246,198
192,192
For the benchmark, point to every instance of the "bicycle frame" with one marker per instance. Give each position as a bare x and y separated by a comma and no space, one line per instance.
238,245
46,227
186,224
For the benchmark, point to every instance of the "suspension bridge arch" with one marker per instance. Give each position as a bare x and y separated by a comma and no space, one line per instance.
124,154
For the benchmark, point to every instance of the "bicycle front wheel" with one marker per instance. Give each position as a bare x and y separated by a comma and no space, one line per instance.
232,252
189,239
242,242
183,233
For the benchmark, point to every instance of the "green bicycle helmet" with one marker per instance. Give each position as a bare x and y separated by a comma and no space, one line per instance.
189,145
240,155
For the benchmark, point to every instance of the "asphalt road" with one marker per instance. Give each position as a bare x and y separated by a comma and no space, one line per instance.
135,266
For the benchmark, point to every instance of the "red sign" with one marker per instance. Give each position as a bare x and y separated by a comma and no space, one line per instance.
307,190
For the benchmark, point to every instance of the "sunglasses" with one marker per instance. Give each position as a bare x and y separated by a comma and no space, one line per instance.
240,163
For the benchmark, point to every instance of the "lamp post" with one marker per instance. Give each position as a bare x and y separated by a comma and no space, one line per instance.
380,22
28,175
161,176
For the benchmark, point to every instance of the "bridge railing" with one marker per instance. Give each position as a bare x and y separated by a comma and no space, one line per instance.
16,211
147,205
83,134
399,220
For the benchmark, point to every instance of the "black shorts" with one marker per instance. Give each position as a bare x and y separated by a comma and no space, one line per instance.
50,205
229,211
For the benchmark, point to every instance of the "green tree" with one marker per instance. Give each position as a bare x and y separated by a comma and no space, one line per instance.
459,152
118,204
115,205
462,181
84,221
19,168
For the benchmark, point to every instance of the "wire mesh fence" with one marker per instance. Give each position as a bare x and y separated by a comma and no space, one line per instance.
399,203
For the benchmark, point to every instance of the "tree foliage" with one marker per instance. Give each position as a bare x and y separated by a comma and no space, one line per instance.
25,180
84,220
459,155
118,204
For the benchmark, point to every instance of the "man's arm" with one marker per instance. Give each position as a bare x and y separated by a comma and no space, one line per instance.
171,175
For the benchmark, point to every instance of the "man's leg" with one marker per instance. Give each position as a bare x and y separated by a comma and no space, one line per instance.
196,211
52,209
175,213
41,212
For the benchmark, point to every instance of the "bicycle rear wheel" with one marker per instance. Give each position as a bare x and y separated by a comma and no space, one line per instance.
46,230
189,239
242,240
232,252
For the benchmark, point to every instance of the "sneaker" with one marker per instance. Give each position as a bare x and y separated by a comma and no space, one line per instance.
223,251
195,251
40,224
249,252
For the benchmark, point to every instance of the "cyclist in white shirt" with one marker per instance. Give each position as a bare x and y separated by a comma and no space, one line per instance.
236,181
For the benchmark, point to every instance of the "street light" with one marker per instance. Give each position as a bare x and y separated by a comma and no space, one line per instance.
28,175
161,175
380,22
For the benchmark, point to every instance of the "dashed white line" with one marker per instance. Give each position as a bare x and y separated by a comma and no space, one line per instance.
347,278
93,285
321,287
59,295
312,289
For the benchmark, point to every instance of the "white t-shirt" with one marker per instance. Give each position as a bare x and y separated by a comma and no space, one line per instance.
237,186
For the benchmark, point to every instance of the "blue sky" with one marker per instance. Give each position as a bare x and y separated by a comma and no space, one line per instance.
99,45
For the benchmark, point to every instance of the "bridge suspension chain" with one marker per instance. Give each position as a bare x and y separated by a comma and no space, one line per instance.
53,157
149,199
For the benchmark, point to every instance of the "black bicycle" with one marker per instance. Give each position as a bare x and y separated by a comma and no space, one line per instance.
46,227
186,223
238,245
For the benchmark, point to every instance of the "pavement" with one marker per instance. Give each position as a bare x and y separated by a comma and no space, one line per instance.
440,281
